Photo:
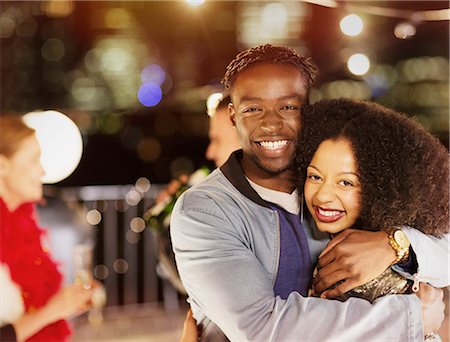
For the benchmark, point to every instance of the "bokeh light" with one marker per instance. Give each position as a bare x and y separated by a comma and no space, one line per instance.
53,49
133,198
149,149
195,2
149,94
60,141
143,185
358,64
120,266
137,224
101,272
132,237
351,25
93,217
153,73
404,30
117,18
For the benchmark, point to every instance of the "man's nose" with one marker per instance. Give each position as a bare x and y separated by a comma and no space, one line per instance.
271,121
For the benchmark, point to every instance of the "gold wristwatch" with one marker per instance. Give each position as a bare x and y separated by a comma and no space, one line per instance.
400,243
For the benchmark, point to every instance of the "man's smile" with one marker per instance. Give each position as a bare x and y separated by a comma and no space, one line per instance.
273,144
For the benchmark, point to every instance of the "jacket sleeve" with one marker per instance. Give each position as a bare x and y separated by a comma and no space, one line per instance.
432,256
229,285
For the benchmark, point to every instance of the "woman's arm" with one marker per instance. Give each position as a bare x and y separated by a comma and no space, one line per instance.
356,257
70,301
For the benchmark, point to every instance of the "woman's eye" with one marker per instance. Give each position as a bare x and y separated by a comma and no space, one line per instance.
314,177
346,183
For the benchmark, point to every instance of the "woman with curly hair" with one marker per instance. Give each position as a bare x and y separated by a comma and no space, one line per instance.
363,166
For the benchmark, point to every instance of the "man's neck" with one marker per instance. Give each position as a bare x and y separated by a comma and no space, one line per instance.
283,181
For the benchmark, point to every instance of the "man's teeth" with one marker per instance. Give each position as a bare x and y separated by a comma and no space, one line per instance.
329,213
273,145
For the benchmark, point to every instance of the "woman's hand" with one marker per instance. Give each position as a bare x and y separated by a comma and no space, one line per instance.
70,301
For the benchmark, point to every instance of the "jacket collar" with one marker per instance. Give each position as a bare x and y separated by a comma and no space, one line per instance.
232,169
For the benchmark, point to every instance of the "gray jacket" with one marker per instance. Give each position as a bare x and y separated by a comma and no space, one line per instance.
226,243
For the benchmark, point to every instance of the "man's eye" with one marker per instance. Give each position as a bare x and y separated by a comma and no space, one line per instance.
290,107
251,110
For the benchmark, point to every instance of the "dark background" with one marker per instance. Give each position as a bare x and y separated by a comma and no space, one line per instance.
193,45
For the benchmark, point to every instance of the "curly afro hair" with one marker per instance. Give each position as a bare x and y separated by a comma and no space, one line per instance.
403,169
269,54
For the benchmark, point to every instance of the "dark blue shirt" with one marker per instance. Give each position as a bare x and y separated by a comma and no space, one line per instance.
295,266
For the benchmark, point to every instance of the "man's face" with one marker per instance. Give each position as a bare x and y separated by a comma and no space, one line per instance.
266,112
223,137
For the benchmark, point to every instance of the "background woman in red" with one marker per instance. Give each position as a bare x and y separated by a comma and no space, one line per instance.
34,305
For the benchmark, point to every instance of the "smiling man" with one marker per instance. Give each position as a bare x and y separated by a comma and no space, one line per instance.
243,251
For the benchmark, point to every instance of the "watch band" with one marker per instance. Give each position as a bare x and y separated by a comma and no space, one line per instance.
402,252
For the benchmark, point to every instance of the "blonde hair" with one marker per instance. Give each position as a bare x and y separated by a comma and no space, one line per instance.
12,132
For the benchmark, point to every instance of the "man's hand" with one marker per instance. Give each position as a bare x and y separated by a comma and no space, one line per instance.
190,333
353,258
432,307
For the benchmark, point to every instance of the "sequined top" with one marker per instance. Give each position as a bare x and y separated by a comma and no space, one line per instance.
389,282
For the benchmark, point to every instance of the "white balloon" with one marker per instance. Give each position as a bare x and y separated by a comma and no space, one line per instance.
60,141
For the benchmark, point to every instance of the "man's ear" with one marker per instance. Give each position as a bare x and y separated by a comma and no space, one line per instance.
232,114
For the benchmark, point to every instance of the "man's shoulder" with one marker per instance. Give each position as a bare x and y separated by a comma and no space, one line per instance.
215,187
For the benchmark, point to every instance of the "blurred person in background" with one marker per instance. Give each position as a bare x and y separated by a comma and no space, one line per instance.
223,139
34,306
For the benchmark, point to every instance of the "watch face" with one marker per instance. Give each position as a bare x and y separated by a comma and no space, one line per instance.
401,239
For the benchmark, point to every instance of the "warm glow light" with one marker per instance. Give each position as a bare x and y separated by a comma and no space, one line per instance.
60,141
351,25
212,102
195,2
358,64
404,30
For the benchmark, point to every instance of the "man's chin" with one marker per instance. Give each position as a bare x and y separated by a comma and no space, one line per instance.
274,169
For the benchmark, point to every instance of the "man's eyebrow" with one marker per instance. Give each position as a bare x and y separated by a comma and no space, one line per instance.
287,97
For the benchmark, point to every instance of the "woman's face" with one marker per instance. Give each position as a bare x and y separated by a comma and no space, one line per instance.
21,174
332,188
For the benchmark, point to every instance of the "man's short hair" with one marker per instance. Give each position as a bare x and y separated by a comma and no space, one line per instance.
269,54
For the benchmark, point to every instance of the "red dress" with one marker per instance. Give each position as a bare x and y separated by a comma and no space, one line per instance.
31,267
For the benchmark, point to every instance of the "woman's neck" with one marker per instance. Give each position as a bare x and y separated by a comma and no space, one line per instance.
10,202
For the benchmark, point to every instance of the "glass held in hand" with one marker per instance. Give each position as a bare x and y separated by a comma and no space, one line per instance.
83,265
